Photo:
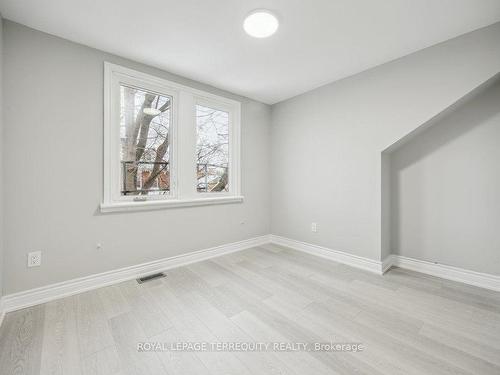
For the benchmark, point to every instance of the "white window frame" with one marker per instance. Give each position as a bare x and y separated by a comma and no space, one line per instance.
115,79
234,136
182,148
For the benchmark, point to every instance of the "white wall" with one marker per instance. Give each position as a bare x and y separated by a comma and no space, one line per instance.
326,157
445,187
53,164
327,143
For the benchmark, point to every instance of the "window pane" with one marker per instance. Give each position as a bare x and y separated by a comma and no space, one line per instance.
144,131
212,149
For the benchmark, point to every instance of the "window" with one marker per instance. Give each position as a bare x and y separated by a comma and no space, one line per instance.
145,143
212,149
167,145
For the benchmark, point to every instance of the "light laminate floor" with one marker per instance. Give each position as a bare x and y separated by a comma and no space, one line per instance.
409,323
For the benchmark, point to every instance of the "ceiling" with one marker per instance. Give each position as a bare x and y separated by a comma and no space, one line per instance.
319,41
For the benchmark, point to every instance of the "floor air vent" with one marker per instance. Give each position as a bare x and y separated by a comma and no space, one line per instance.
154,276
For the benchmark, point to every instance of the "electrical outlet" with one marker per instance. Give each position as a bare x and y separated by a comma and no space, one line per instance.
314,227
34,259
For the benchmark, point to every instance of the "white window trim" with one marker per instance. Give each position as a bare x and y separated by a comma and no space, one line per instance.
234,136
182,148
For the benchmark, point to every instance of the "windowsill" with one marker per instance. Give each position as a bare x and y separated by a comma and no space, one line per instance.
171,203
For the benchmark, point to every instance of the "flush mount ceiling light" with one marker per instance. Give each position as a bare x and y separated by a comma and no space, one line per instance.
151,111
261,23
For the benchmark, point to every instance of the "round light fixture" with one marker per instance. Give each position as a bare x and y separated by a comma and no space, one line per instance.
261,23
151,111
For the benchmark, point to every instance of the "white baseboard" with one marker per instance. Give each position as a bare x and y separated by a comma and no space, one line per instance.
387,263
482,280
51,292
2,312
16,301
335,255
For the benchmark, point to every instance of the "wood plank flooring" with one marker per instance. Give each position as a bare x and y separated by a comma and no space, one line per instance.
408,323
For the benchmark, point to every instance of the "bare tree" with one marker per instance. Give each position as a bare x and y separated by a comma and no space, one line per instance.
212,148
145,143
